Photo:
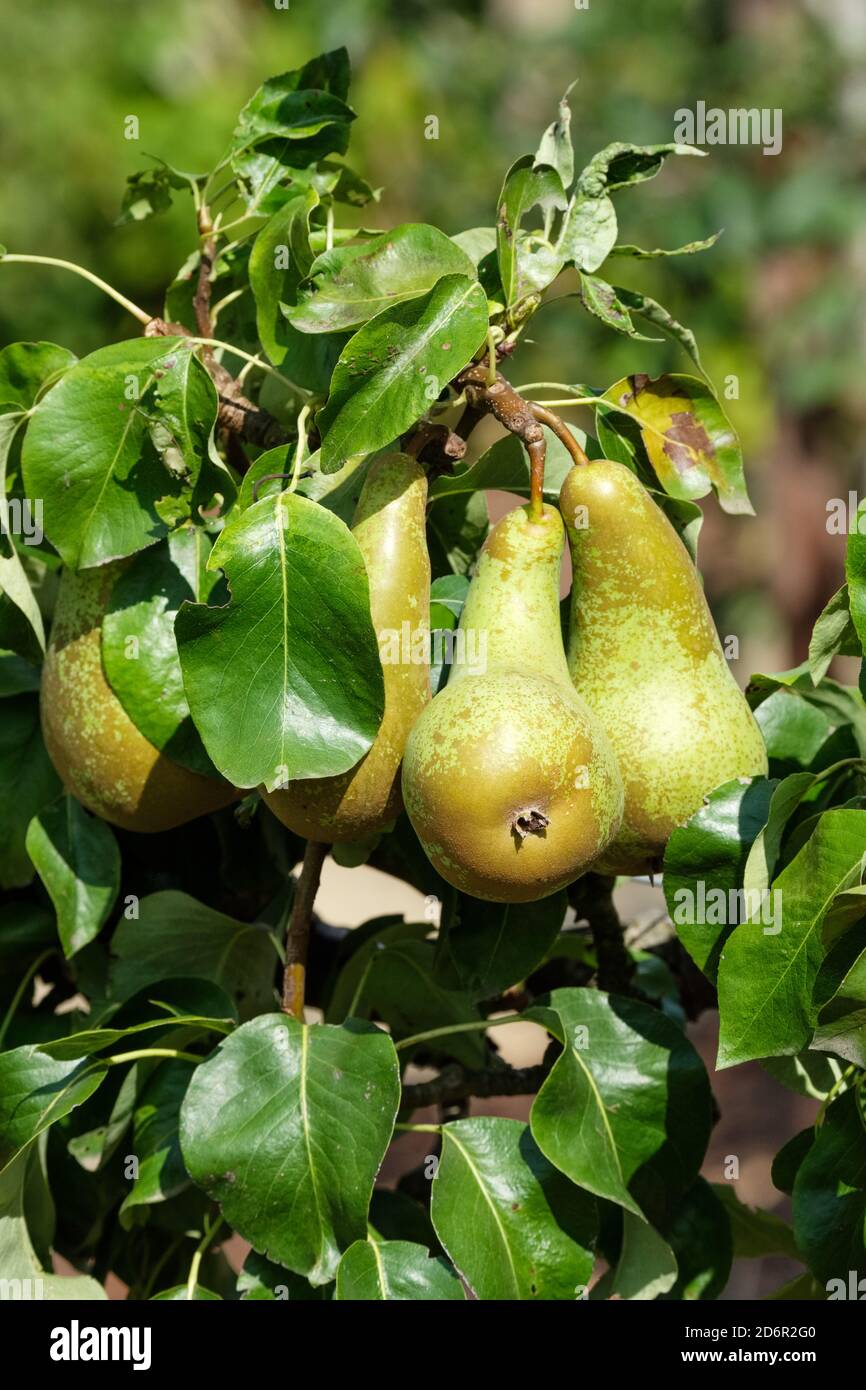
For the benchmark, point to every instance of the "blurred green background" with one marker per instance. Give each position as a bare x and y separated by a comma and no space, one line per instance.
778,303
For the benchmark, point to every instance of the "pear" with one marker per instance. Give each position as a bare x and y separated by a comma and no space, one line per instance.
508,779
100,755
644,653
389,526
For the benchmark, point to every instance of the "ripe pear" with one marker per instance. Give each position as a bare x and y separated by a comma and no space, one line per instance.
508,779
644,653
101,756
389,526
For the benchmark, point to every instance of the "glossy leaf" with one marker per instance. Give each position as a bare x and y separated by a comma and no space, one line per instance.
286,1126
514,1227
116,446
491,946
397,365
351,285
36,1091
766,975
625,1112
286,680
139,650
394,1271
77,859
711,850
589,231
646,1267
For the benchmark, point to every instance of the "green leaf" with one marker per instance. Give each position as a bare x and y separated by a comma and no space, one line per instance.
478,243
756,1233
491,946
286,680
618,165
25,368
394,1271
28,782
505,466
699,1234
276,274
787,795
527,264
76,857
625,1112
286,1126
588,233
288,108
855,573
787,1162
712,849
636,252
689,440
830,1197
646,1267
397,365
767,975
602,300
139,650
350,285
834,634
20,1268
156,1138
148,192
90,1040
36,1091
357,953
21,626
262,1281
456,530
17,676
556,148
116,447
514,1227
176,937
403,990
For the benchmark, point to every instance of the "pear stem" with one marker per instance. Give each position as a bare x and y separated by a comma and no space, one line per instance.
499,399
561,430
298,939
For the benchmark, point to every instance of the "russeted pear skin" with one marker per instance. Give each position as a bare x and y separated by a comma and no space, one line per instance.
644,653
100,755
508,779
389,526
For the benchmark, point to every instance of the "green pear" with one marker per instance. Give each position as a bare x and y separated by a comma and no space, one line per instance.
644,653
389,526
102,758
509,781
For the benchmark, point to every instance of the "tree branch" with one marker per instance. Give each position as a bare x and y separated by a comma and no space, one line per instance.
592,898
298,936
499,399
454,1084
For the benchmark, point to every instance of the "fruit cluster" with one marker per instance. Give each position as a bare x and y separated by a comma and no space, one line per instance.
526,769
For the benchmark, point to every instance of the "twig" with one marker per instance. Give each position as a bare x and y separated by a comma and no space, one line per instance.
593,899
561,430
298,938
100,284
454,1084
500,400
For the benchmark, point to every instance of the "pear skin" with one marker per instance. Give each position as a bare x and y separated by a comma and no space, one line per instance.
508,779
389,526
644,653
101,756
